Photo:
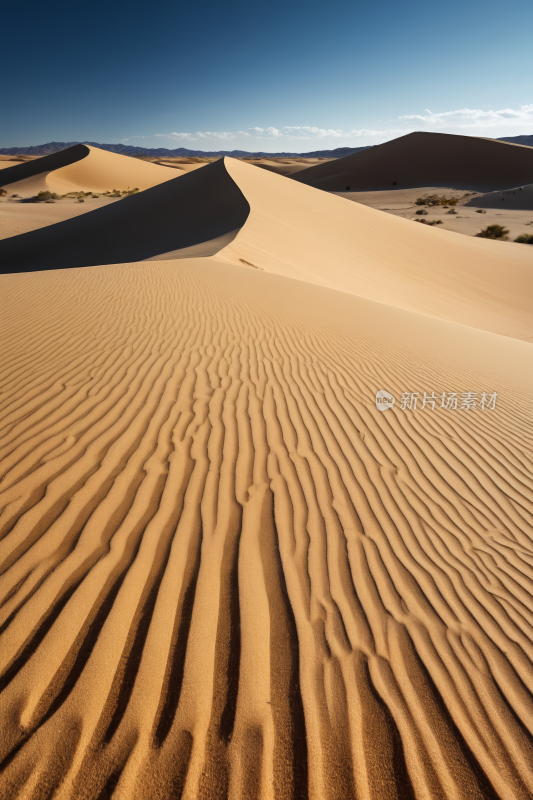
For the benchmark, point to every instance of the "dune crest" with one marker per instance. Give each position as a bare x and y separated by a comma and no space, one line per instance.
317,237
83,168
426,159
294,230
182,212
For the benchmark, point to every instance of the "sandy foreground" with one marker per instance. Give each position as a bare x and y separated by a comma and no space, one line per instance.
225,572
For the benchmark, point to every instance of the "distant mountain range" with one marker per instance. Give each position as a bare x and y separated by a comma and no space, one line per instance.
162,152
527,140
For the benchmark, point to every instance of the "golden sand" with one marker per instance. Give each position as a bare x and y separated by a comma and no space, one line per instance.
225,573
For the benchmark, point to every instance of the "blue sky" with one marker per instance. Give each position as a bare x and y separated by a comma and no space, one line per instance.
279,76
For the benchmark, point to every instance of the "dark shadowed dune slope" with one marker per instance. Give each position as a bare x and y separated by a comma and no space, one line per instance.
426,159
182,212
45,164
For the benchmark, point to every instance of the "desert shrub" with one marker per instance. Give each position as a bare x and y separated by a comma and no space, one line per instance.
494,232
452,211
525,238
421,211
42,197
81,200
481,211
435,200
431,222
3,192
130,191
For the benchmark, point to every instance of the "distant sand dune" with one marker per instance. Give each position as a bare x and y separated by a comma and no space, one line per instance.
518,198
227,575
293,230
83,168
426,159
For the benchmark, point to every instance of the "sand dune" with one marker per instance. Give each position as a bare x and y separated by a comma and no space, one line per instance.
313,236
293,230
519,198
284,166
202,250
181,212
83,168
427,159
226,574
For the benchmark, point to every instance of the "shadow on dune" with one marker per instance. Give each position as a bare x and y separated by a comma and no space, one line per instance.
518,199
45,164
183,212
426,159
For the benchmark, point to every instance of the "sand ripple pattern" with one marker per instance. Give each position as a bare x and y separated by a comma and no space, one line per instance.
224,575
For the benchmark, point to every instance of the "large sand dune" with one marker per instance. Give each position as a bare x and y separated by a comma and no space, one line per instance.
181,212
226,574
83,168
295,230
427,159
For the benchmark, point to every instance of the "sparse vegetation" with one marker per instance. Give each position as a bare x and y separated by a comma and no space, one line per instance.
494,232
429,222
119,193
452,211
421,211
435,200
42,197
3,192
481,211
525,238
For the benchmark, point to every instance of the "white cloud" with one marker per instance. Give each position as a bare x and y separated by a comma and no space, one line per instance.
227,136
289,132
473,118
467,119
